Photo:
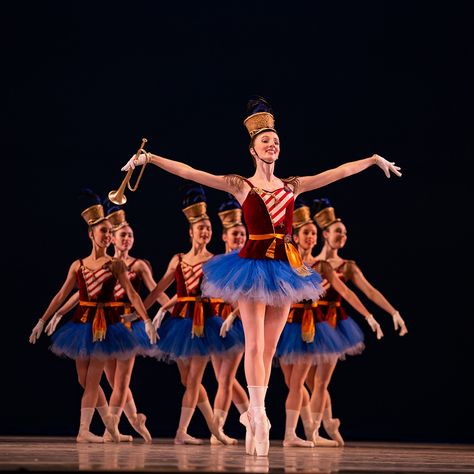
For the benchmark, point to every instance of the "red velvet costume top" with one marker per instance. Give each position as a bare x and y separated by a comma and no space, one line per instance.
258,221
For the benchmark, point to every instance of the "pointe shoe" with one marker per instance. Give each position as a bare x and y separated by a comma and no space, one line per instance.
332,429
184,438
320,442
262,435
229,441
123,438
111,424
296,442
141,429
249,433
88,437
218,434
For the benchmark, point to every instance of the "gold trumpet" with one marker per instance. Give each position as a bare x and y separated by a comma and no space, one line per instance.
117,196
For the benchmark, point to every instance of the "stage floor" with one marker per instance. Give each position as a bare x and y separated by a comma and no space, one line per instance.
54,454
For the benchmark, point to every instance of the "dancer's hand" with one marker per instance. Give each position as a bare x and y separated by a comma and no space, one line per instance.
227,324
51,326
37,330
387,166
137,161
151,331
128,318
159,318
398,323
375,326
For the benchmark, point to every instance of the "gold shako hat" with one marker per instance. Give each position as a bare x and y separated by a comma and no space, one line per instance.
301,214
94,212
259,116
194,203
230,213
324,214
117,219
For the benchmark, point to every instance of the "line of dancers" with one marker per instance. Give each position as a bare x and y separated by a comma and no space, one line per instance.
266,299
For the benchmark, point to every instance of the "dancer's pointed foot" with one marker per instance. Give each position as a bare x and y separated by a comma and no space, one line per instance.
139,426
123,438
332,429
296,442
111,424
183,438
320,442
88,437
246,420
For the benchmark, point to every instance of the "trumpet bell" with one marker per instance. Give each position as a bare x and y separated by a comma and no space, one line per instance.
117,197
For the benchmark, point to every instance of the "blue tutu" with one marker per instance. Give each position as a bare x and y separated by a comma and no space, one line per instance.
273,282
327,346
238,329
74,340
145,347
177,342
353,336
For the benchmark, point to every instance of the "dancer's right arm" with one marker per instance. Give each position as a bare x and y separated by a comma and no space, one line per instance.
164,282
187,172
57,301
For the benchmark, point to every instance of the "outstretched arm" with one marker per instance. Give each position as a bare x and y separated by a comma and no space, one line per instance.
308,183
377,297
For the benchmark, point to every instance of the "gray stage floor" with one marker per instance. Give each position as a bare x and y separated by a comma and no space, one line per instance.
54,454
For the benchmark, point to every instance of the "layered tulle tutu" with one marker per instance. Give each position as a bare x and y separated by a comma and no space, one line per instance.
145,347
352,335
74,340
273,282
177,341
327,346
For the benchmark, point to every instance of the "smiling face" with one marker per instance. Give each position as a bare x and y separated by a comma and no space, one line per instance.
123,238
235,237
306,236
101,234
336,235
266,146
201,232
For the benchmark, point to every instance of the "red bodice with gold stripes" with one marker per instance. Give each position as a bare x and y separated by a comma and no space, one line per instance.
119,293
267,213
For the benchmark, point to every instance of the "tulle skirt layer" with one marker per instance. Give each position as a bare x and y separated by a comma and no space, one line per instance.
74,340
273,282
177,341
352,334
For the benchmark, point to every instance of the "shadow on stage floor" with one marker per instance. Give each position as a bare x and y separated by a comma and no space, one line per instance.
61,454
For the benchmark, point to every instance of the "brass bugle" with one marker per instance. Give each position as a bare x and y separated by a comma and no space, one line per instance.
117,196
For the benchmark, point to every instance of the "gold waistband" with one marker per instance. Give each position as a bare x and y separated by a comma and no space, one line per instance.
315,304
266,236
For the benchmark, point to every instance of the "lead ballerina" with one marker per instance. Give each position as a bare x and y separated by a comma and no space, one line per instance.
267,274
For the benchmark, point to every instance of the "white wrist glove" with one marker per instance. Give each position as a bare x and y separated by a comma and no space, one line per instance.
134,161
375,326
159,318
151,331
128,318
227,324
398,323
37,330
387,166
51,326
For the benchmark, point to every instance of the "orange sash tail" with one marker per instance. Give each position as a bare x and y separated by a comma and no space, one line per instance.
198,313
308,328
292,254
331,315
99,324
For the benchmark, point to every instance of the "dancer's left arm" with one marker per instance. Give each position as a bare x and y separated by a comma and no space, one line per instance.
308,183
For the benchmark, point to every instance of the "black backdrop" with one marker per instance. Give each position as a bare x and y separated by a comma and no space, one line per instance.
83,84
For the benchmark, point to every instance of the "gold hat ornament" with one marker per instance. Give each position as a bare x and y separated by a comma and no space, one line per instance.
93,214
325,215
117,219
196,212
301,217
231,217
260,116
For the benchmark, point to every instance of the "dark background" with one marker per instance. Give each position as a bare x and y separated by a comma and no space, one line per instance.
82,84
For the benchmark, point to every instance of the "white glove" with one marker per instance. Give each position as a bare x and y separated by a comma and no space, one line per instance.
159,318
398,323
37,330
375,326
227,324
151,331
387,166
51,326
134,161
128,318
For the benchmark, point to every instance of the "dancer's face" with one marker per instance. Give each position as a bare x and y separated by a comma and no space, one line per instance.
307,236
201,232
235,237
336,235
266,146
123,238
101,233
